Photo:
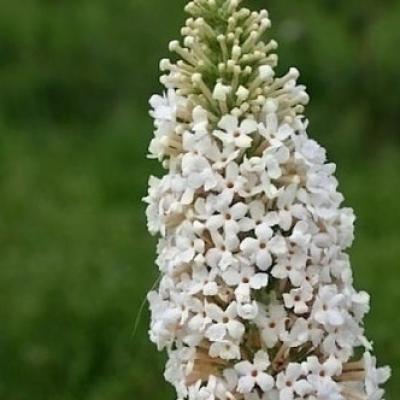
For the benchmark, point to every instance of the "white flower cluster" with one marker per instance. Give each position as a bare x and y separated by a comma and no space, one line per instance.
256,297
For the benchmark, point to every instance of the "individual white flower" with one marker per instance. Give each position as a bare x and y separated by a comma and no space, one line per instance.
274,156
360,304
222,254
286,196
325,388
175,372
259,215
248,310
290,384
298,298
230,184
261,248
168,106
273,325
258,181
224,322
330,368
228,218
203,280
199,322
340,341
254,374
292,267
165,320
227,384
301,235
327,306
310,151
304,331
225,349
374,377
196,142
244,280
198,172
236,132
166,111
165,208
221,157
320,376
187,245
199,391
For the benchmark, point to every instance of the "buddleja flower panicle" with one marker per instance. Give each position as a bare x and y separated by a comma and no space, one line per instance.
256,296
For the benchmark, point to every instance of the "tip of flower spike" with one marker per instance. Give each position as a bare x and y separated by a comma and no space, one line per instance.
196,78
189,7
294,73
265,23
165,64
173,45
271,106
221,92
236,52
242,93
266,72
304,98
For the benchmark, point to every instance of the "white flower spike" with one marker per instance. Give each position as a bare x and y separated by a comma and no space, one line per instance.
256,298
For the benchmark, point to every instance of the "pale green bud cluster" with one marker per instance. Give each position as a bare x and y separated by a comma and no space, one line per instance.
226,67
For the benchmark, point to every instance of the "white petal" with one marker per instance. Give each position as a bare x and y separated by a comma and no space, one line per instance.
244,367
265,381
216,332
263,260
248,311
210,289
278,245
335,318
232,171
249,245
272,218
273,169
302,387
246,384
235,329
264,232
259,281
214,312
231,277
213,257
224,137
286,394
229,123
332,366
257,209
231,311
242,293
284,132
239,210
248,126
261,360
246,224
293,371
243,141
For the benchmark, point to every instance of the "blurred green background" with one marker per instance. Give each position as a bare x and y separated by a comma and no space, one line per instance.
75,258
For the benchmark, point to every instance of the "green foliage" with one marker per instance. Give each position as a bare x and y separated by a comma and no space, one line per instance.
76,261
